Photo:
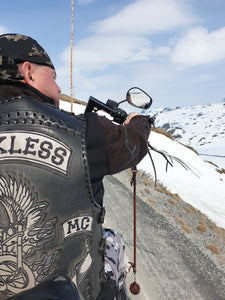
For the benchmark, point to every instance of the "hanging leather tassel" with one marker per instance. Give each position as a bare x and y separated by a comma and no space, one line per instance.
134,287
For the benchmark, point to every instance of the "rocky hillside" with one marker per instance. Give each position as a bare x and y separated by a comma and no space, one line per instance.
201,127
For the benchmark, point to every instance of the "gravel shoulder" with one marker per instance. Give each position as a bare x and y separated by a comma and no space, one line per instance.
192,249
196,226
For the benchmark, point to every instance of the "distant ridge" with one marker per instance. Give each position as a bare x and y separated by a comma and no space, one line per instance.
67,98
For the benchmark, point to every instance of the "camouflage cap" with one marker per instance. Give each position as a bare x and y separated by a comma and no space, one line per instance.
17,48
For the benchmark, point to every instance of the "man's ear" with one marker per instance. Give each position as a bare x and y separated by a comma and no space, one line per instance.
27,70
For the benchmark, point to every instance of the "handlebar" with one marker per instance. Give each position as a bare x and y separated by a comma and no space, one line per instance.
111,107
135,96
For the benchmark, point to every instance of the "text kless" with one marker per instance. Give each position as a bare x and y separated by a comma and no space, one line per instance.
44,152
36,147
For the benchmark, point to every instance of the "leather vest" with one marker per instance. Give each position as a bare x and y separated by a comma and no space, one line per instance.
49,221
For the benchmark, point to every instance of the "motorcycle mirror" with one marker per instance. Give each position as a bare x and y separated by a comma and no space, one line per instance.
138,98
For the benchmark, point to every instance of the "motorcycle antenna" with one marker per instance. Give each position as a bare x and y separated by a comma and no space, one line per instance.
71,60
134,287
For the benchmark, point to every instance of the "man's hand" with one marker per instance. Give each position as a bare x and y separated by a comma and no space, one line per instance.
131,115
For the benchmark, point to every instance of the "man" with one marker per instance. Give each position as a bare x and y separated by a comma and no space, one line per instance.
51,168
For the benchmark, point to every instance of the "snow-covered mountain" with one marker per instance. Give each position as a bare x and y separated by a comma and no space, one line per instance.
201,127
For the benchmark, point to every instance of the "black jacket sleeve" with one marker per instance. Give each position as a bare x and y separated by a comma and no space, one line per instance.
126,145
113,148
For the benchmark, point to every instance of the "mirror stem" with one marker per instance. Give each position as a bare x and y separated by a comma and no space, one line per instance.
122,101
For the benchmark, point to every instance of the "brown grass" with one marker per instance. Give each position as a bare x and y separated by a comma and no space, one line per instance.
189,210
162,189
172,201
183,225
186,228
159,188
216,229
177,197
220,171
161,131
191,148
194,209
214,249
150,200
147,190
147,181
179,221
144,175
202,227
66,98
210,162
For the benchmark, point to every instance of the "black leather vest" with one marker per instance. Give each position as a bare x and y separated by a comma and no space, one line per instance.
49,220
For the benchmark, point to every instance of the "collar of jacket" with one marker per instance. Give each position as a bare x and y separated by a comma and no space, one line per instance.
10,89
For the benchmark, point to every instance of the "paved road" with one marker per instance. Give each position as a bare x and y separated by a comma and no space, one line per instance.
169,266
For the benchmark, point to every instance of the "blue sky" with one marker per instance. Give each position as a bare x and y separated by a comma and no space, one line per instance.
173,49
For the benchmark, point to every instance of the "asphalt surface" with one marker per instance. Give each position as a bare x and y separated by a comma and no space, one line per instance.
169,265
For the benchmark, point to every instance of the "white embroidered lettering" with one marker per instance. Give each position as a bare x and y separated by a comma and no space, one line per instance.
77,225
35,147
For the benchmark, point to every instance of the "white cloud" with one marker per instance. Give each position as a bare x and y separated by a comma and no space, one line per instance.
3,29
99,52
120,44
199,46
146,17
161,51
122,38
